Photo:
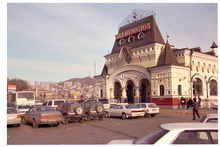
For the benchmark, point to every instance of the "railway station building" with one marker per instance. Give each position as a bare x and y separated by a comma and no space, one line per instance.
142,67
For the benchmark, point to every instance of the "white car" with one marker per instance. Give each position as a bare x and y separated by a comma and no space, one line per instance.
53,102
22,108
149,108
178,133
125,110
210,118
13,117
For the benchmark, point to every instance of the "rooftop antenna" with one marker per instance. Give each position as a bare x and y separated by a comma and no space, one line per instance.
167,36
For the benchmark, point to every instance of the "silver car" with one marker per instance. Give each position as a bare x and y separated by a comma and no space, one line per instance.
149,108
178,133
42,115
210,118
13,117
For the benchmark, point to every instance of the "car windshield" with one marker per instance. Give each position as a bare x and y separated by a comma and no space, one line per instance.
152,105
24,106
130,106
11,110
152,138
41,109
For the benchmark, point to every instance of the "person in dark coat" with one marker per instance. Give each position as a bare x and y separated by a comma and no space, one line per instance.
195,108
183,102
189,103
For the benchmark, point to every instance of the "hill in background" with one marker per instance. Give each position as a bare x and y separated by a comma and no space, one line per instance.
83,81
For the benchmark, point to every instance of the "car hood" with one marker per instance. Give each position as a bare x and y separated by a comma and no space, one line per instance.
128,141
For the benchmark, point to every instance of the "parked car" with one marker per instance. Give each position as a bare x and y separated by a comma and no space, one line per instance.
39,102
106,102
13,117
22,108
42,115
10,104
53,102
125,110
93,109
149,108
178,133
211,118
71,111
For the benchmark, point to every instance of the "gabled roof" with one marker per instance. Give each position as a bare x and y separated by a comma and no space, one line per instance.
123,51
152,35
167,57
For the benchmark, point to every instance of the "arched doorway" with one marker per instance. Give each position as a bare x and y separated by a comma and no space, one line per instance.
130,92
117,91
145,91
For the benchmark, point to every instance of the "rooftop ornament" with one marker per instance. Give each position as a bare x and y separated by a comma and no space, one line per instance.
135,16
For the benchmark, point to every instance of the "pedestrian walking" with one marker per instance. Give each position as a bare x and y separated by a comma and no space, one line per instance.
195,108
189,103
183,102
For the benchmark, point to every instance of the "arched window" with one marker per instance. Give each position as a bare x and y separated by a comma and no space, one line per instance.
161,90
179,90
197,87
213,87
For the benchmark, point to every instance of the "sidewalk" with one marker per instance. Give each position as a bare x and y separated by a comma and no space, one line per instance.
202,111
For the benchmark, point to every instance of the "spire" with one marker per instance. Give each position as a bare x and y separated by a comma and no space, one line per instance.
167,57
214,48
214,45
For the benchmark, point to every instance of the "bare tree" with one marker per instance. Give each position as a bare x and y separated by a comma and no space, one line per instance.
20,84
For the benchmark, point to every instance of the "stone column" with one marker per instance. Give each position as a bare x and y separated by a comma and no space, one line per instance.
111,92
137,94
123,94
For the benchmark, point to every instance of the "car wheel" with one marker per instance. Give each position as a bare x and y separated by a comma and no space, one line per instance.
56,125
107,114
88,118
79,110
101,117
23,121
81,120
65,120
124,116
99,109
152,115
35,125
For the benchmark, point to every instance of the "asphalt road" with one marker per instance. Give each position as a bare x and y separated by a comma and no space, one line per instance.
94,132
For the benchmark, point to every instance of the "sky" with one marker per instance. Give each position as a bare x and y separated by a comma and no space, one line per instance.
53,42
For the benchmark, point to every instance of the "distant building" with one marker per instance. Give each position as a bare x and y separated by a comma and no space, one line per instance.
68,84
143,68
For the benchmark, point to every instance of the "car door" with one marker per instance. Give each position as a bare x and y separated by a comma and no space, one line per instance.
119,110
28,115
112,110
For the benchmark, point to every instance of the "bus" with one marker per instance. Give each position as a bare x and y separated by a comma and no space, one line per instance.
25,97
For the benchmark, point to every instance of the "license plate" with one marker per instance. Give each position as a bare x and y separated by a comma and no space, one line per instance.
51,120
154,109
10,117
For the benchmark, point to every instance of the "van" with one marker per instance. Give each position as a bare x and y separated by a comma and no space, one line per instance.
53,103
